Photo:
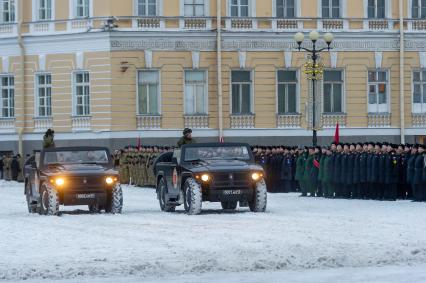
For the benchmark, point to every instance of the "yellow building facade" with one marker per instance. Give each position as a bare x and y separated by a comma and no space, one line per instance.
110,71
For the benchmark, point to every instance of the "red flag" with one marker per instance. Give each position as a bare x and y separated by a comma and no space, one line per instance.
139,143
316,163
221,140
336,134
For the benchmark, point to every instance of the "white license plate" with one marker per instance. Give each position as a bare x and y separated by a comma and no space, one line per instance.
232,192
86,196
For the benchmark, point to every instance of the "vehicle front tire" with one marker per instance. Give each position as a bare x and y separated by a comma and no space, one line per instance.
161,194
229,205
49,201
115,200
193,197
32,208
258,203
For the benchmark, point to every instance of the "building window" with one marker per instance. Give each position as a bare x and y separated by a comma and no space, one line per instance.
44,10
241,92
82,94
148,92
7,88
376,9
82,8
195,92
333,91
287,92
44,95
147,7
194,8
331,9
286,8
239,8
419,91
418,9
7,11
378,84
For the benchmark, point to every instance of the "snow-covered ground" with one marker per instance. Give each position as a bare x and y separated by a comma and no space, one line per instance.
298,239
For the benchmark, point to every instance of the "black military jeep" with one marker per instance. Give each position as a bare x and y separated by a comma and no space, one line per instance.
72,176
215,172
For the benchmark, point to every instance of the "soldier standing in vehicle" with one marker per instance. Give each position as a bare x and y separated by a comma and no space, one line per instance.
186,138
48,139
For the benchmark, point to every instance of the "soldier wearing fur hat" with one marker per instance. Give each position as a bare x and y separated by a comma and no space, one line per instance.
186,138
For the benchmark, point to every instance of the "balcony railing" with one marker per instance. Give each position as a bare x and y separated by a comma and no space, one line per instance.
329,120
41,124
81,123
8,29
289,120
419,25
418,120
378,24
145,122
79,24
196,121
42,27
235,23
242,121
379,120
148,23
332,24
195,23
7,125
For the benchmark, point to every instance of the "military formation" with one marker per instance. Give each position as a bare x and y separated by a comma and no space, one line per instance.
379,171
11,167
135,164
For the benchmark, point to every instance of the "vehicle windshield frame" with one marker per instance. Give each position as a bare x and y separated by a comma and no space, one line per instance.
247,158
106,163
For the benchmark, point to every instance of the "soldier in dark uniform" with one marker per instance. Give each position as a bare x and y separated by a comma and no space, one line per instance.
362,160
392,169
373,169
356,170
300,169
381,173
186,138
403,187
410,168
286,171
327,176
337,170
320,191
419,181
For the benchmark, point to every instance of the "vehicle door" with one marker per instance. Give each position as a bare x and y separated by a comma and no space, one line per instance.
35,176
172,172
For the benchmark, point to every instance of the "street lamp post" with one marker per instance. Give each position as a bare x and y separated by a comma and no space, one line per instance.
313,70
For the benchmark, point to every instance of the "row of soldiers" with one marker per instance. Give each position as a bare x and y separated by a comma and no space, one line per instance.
11,167
380,171
135,164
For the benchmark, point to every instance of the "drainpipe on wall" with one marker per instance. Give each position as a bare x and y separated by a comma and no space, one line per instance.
219,66
401,72
21,74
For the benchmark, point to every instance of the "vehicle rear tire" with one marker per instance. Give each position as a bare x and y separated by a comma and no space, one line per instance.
161,194
94,208
229,205
193,197
258,204
32,208
115,200
49,201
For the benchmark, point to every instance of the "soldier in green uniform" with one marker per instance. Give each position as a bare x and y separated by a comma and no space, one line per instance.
327,175
124,167
308,171
48,139
300,170
186,138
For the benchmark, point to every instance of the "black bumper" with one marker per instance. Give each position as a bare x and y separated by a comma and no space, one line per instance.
84,198
239,194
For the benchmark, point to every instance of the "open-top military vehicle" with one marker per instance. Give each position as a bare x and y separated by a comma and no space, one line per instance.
215,172
72,176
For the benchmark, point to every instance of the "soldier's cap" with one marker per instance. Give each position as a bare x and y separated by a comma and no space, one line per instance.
378,144
359,143
421,146
187,131
335,143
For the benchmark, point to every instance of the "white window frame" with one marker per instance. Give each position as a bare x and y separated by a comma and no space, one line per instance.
297,91
158,5
11,96
158,92
35,5
74,94
410,10
341,6
206,9
343,106
379,108
73,10
206,92
252,84
296,7
418,107
388,10
36,88
251,8
297,12
15,10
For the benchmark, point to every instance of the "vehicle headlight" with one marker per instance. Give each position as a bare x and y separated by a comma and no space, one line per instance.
109,180
205,178
59,181
256,176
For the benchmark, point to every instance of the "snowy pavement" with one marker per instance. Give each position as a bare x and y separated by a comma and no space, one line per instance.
297,239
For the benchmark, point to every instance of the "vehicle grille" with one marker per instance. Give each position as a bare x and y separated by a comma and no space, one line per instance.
92,183
233,180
